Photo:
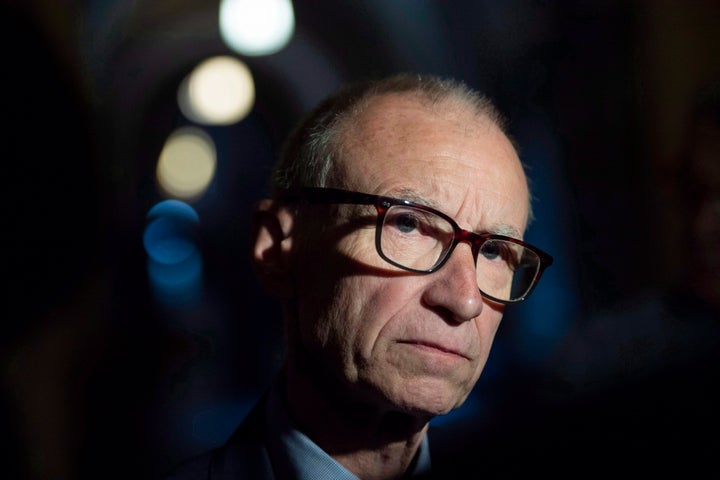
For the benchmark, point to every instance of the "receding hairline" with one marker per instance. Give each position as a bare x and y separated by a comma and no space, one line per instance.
430,92
312,148
368,108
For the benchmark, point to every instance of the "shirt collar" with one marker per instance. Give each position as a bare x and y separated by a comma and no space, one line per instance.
294,455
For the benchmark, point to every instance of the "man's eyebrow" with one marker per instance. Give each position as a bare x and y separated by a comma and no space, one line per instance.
504,229
413,196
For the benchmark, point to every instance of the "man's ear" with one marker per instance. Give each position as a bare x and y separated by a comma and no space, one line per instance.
272,225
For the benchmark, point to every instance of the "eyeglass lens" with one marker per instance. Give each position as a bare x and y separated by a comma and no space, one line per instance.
419,240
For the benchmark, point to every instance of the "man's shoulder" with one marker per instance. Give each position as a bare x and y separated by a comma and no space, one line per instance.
244,455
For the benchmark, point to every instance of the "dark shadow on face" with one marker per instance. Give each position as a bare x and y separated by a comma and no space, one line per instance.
322,243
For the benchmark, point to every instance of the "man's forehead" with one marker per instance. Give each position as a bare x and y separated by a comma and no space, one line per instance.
392,121
413,106
442,157
388,120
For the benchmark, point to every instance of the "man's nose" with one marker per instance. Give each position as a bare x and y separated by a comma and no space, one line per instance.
454,287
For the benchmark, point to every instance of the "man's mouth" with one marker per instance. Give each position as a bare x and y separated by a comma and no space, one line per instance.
433,346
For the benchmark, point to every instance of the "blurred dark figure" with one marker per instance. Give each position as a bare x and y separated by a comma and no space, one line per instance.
641,378
700,187
54,284
81,353
72,383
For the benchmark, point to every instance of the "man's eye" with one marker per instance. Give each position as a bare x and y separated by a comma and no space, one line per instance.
497,250
406,223
490,250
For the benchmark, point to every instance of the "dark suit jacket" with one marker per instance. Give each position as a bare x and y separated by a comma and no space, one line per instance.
245,455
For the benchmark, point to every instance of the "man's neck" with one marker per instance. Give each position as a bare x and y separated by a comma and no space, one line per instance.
370,442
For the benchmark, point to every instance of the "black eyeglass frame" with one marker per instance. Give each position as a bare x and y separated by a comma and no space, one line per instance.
322,195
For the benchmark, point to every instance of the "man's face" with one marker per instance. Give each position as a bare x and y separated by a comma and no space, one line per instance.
398,340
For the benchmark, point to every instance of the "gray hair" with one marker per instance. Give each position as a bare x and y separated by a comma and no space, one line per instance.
312,148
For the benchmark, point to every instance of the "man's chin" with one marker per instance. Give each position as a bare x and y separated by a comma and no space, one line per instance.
430,402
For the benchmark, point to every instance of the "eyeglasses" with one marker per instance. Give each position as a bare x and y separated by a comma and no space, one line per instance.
420,239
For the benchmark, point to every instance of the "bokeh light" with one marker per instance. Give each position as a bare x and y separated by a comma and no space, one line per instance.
218,91
256,27
187,163
171,232
177,285
174,261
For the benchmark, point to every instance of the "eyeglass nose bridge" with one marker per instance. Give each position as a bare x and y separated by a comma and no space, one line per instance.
475,240
460,235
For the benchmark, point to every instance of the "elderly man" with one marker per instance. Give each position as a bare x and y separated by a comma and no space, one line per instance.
393,239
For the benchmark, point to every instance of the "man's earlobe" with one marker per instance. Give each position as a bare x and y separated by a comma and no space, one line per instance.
272,242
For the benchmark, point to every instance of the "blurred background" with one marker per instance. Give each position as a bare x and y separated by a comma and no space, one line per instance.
138,135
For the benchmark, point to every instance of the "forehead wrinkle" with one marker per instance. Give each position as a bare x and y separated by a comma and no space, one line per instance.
499,228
